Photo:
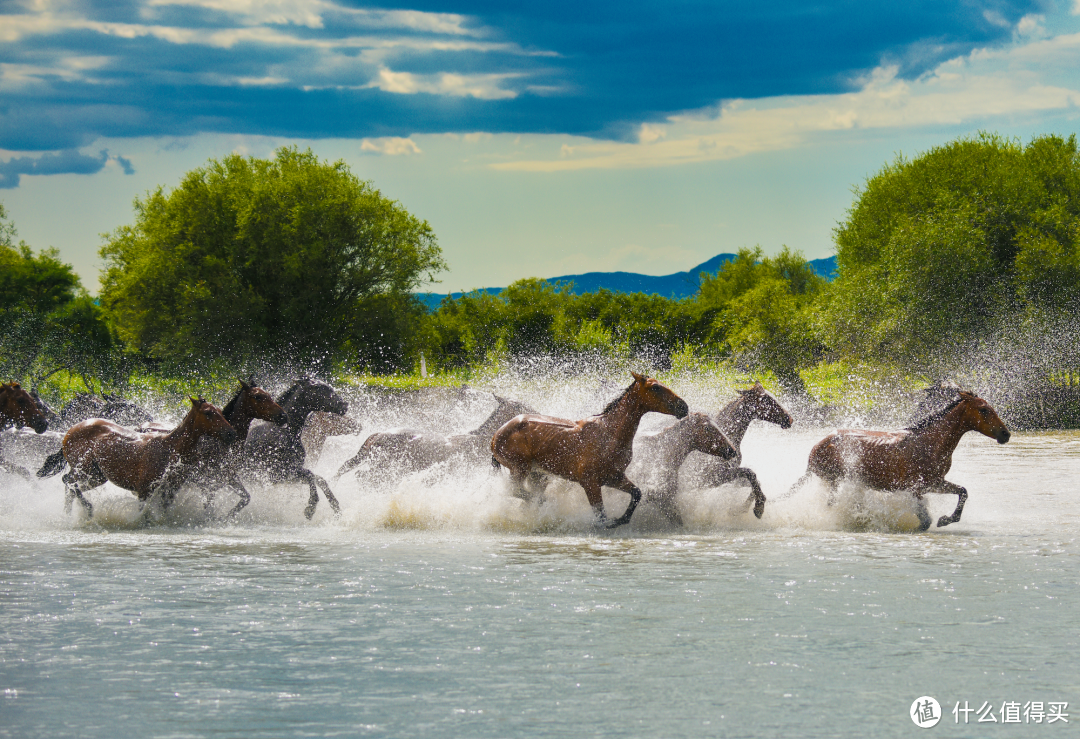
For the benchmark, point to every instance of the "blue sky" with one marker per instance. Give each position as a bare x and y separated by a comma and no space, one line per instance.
543,140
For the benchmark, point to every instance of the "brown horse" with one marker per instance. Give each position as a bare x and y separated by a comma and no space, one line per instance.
18,408
220,461
916,458
593,452
665,452
101,451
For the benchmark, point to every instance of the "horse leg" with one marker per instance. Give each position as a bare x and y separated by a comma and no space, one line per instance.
328,494
756,495
313,492
596,500
665,501
624,484
922,513
74,482
245,497
357,458
961,495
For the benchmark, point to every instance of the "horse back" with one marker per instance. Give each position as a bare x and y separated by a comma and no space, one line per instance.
880,459
128,459
558,445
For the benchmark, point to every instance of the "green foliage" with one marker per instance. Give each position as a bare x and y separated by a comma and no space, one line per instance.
761,310
288,258
937,249
47,320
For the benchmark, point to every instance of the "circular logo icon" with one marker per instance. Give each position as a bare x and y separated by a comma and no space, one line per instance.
925,712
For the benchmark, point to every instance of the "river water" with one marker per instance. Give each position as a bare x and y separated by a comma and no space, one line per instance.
439,606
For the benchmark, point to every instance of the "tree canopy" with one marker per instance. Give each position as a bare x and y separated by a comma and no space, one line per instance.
267,258
937,250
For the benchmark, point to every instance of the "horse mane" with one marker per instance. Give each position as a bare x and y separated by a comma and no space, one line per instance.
231,405
936,415
289,393
611,406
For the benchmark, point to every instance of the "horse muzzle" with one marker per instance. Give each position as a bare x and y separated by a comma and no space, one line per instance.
40,425
1003,436
680,409
228,436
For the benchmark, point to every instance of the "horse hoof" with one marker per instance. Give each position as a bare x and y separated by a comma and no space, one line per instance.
944,521
618,522
309,512
759,508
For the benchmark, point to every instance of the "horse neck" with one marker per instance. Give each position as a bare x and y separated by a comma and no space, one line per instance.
623,419
240,419
296,413
183,439
734,419
942,436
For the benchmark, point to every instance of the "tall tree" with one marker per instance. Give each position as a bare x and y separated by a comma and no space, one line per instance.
252,258
938,250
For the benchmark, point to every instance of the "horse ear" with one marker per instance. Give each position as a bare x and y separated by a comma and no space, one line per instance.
194,403
245,385
15,386
637,377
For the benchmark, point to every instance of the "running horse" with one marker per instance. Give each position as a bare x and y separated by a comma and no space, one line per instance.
414,450
666,450
276,452
221,461
916,458
101,451
593,452
18,408
753,404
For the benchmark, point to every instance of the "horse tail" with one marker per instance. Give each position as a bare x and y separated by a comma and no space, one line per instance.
53,464
797,486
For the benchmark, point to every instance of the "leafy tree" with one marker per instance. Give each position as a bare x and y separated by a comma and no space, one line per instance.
250,258
48,321
937,250
761,310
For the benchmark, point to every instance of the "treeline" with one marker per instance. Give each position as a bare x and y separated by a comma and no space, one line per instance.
967,256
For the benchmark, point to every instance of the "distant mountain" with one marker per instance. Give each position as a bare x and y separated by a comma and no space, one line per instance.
678,285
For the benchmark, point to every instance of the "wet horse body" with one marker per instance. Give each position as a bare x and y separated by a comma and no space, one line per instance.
593,452
277,452
220,462
101,451
734,419
666,450
916,458
414,450
19,409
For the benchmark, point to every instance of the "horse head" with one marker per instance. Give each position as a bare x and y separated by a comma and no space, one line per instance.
978,415
204,419
656,397
19,407
255,402
762,405
706,437
306,395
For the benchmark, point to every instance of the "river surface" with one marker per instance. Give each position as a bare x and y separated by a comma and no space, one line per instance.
439,606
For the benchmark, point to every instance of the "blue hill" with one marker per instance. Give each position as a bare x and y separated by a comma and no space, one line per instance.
678,285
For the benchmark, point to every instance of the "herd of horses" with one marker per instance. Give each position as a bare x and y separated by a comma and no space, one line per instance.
212,449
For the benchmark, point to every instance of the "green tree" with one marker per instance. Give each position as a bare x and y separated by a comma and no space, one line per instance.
937,250
761,310
251,258
48,321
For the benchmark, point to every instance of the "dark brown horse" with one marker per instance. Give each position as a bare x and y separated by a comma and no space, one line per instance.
665,451
412,450
101,451
219,461
18,408
916,458
593,452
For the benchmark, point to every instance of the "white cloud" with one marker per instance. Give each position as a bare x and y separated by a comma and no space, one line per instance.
390,146
481,86
1031,78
